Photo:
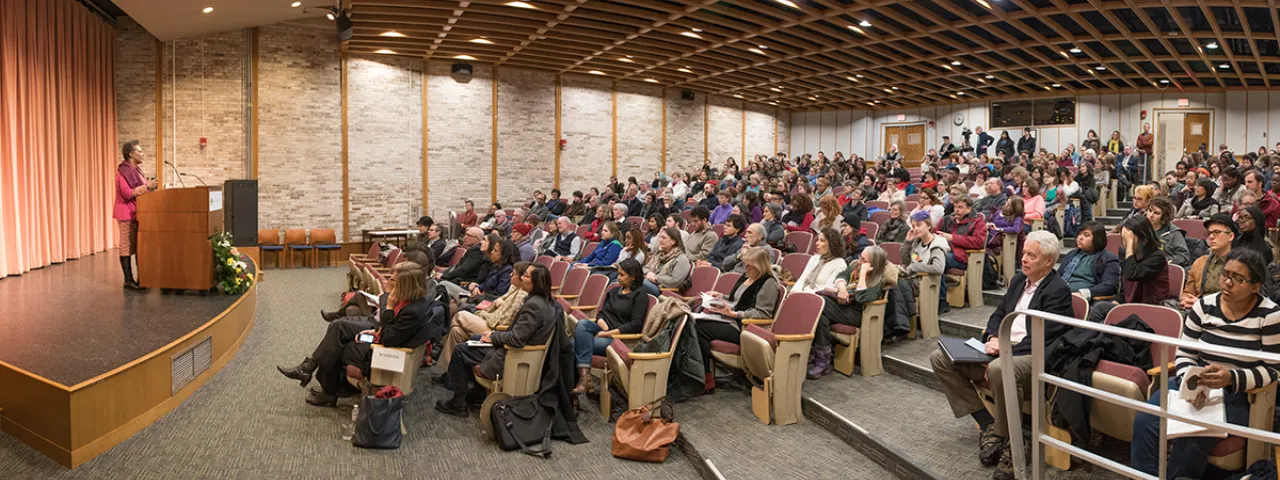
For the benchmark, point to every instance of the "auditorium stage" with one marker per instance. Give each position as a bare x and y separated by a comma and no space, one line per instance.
86,364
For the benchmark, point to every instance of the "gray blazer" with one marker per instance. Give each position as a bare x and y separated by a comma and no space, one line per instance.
533,325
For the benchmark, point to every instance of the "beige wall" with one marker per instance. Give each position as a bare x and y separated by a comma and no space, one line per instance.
206,94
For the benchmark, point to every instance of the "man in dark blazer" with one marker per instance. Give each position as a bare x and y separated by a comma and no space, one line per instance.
1038,287
474,265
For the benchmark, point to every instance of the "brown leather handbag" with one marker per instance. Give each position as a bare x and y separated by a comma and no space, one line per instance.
645,433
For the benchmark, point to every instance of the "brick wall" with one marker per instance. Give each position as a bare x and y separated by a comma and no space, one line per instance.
759,131
300,128
460,137
384,138
639,130
135,79
586,122
684,132
725,131
526,139
784,132
204,96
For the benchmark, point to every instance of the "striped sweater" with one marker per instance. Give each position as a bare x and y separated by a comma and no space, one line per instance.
1259,330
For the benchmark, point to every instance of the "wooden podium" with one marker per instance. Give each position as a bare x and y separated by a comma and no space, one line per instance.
174,226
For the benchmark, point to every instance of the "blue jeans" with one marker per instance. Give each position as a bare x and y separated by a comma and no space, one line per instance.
652,288
1188,456
586,343
951,263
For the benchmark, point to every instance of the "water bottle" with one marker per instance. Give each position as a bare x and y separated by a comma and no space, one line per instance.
355,412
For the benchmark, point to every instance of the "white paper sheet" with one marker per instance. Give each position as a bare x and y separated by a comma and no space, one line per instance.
1214,411
389,359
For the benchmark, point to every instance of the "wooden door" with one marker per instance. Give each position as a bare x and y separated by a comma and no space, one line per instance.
1196,131
913,150
893,136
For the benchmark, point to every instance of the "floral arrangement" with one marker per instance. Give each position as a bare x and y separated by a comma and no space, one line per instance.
231,271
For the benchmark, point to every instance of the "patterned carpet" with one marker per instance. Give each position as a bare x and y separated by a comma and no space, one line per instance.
249,422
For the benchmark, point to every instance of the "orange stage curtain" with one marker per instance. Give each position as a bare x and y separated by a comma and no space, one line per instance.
58,150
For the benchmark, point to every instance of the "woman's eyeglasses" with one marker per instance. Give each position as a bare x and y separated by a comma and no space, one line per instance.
1234,278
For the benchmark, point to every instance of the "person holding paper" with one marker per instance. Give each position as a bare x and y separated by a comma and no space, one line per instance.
1238,316
485,317
1035,288
864,281
622,311
754,296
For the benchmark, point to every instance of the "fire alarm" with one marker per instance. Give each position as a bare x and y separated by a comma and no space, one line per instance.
563,143
204,142
1142,114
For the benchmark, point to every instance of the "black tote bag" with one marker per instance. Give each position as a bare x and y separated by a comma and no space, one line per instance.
378,423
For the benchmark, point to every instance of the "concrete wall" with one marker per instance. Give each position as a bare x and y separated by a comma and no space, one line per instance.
206,94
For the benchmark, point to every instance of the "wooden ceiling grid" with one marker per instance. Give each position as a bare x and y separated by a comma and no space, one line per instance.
849,53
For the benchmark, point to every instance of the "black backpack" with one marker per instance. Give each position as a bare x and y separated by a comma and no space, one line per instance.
524,424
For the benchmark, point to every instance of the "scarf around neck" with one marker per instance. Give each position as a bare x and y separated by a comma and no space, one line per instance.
131,173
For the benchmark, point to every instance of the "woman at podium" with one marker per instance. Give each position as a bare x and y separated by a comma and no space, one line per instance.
129,185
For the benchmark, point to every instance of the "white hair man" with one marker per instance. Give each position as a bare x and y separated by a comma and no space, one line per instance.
1035,288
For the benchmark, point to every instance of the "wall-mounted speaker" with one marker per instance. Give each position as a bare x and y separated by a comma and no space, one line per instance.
686,95
463,69
240,211
344,24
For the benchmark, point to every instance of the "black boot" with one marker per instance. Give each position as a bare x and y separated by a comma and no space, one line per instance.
301,373
320,398
126,266
456,406
330,316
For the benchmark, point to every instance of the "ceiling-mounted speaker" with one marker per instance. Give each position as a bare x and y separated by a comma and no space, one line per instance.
686,94
344,24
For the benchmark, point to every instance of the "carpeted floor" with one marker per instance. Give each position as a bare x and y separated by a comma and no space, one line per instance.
250,422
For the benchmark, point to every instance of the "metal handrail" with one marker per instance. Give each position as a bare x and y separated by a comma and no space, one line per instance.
1014,416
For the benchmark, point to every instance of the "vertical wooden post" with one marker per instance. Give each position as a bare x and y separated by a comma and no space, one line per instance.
706,125
614,118
253,49
426,176
159,146
664,129
493,165
346,177
558,130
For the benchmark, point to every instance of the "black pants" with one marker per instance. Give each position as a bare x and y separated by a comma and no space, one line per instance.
835,313
712,330
338,349
460,378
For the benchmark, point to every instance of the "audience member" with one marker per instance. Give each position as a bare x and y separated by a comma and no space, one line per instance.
755,295
1035,288
702,239
474,266
964,231
668,266
895,229
1090,269
520,237
800,217
607,251
1144,269
824,266
485,317
863,281
565,245
1160,214
622,311
775,232
1201,203
1204,276
1252,234
729,243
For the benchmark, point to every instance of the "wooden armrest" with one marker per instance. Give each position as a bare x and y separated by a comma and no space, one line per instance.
1156,370
925,274
688,298
757,321
527,347
789,283
879,302
503,328
793,337
628,336
568,297
585,308
557,287
1264,389
669,289
1104,297
975,251
650,356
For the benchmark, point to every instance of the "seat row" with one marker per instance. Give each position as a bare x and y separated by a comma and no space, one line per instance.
299,240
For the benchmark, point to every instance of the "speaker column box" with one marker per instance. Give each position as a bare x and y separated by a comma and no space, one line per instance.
240,211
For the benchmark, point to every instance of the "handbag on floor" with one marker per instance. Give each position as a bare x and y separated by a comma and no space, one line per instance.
379,421
524,424
646,433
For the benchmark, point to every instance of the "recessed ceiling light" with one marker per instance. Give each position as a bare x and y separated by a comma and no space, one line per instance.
813,98
776,89
788,3
948,67
762,47
1046,87
955,62
295,4
959,93
851,79
756,51
737,96
871,104
989,77
691,35
1224,66
1074,50
596,72
385,52
1100,68
877,101
984,4
773,103
1212,46
982,80
482,40
1164,81
856,29
1064,54
207,9
626,59
864,24
1056,85
887,90
699,30
685,70
895,88
520,5
953,96
651,80
464,57
859,75
328,15
391,33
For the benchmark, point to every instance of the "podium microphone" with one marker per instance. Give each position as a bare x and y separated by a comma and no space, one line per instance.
175,170
194,175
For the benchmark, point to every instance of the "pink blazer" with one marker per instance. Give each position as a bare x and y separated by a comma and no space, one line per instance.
126,207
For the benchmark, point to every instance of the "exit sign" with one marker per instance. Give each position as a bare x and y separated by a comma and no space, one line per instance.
902,118
1182,102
